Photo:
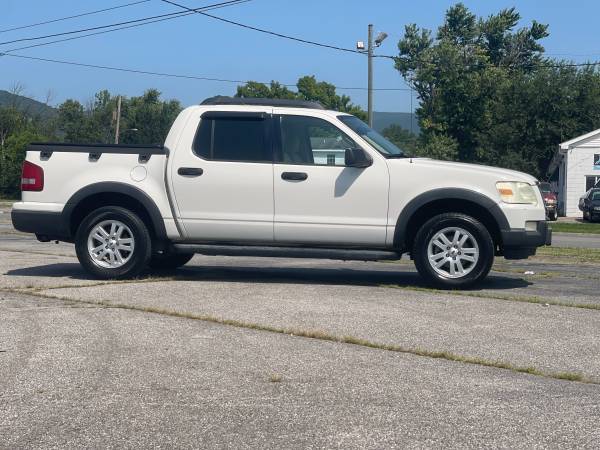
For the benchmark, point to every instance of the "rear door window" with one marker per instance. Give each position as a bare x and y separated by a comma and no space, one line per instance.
241,138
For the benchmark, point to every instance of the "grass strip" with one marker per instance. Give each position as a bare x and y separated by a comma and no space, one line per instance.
326,336
576,227
512,298
578,254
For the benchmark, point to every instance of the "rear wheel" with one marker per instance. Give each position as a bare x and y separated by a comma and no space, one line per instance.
167,261
113,243
552,216
453,250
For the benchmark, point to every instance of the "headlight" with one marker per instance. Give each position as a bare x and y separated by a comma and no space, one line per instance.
517,192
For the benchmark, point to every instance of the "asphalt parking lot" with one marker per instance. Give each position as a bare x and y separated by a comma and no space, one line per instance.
290,353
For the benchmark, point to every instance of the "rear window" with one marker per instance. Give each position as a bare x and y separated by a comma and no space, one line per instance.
232,139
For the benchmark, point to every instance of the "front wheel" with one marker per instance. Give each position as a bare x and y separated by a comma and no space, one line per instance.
113,243
453,250
552,216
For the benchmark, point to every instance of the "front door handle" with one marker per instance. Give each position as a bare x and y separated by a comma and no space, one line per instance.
294,176
190,171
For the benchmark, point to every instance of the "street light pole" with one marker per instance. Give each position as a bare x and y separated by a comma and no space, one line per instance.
370,83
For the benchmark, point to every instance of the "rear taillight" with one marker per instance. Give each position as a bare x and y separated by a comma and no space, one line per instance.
32,177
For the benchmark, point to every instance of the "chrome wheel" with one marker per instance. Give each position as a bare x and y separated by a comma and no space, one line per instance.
110,244
453,252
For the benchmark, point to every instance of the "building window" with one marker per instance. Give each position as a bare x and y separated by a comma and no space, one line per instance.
592,182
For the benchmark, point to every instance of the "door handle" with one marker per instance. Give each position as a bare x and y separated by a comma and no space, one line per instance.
294,176
190,171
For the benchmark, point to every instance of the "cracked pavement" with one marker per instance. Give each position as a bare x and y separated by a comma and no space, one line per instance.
77,374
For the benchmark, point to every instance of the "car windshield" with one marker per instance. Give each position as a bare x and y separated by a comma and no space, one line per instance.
596,195
381,144
545,187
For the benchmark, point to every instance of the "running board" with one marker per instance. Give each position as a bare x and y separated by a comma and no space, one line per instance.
287,252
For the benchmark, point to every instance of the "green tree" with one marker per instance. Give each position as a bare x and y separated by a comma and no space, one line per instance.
74,123
144,120
470,77
150,116
402,138
308,89
12,158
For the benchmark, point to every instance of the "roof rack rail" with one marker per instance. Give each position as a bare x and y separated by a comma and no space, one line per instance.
223,100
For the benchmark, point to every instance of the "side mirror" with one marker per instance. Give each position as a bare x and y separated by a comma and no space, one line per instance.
357,157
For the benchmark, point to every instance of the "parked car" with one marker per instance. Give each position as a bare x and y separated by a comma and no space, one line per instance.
550,201
589,204
240,176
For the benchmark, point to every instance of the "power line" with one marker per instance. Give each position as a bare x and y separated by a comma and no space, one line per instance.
260,30
170,75
208,8
112,25
89,13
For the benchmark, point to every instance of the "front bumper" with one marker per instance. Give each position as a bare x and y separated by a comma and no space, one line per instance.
521,243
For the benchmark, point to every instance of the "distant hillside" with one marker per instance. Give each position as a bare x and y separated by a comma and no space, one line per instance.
26,104
382,120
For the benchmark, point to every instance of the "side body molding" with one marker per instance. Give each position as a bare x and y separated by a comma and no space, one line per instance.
117,188
446,194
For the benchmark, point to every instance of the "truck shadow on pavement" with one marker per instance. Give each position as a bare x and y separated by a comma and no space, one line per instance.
257,274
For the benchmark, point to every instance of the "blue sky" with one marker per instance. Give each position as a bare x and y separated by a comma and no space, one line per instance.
201,46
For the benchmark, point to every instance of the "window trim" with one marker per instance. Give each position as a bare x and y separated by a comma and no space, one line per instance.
257,116
278,144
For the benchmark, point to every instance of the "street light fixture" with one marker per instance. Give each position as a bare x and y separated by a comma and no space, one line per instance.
380,38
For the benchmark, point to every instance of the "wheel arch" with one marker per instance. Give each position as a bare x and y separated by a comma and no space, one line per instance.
438,201
101,194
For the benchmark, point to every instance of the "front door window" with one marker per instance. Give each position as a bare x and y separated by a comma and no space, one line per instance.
312,141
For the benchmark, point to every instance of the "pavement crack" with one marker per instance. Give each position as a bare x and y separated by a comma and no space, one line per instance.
485,295
330,337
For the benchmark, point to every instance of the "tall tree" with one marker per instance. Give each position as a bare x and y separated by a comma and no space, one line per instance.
467,77
308,89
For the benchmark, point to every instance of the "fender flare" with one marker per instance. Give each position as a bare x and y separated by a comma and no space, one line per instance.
110,187
446,194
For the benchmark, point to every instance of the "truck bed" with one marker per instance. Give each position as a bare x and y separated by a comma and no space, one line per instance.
72,170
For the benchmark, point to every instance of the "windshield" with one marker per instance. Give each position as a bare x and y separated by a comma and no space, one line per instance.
545,187
381,144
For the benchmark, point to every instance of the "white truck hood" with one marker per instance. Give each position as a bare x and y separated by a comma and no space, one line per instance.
469,169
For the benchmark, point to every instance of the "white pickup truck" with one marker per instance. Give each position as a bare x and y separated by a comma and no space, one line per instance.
273,177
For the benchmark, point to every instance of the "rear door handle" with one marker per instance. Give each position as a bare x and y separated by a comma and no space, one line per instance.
294,176
190,171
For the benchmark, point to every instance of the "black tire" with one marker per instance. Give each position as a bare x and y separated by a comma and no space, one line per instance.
137,259
585,216
552,216
474,272
168,261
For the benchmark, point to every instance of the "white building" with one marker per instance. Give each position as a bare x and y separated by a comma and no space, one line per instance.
578,163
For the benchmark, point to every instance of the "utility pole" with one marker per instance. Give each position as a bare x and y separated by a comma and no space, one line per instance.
370,83
118,125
